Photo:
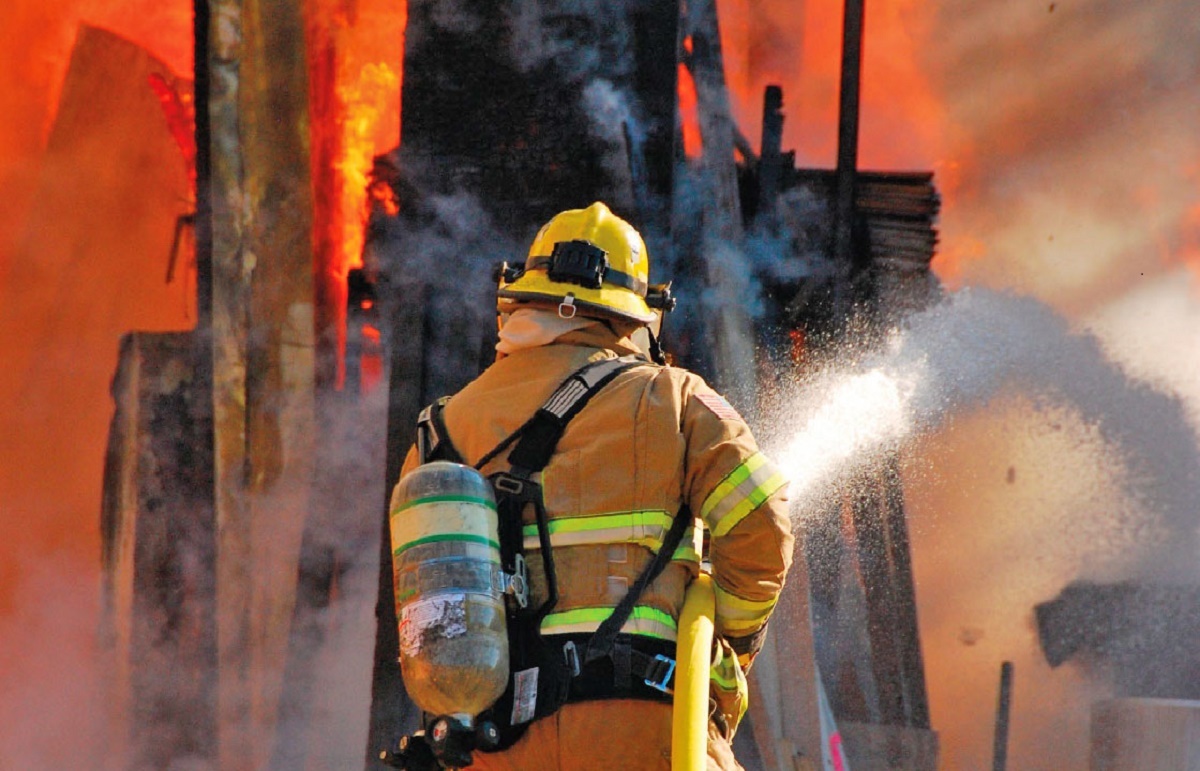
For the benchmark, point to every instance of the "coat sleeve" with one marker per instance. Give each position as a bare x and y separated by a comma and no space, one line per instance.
741,496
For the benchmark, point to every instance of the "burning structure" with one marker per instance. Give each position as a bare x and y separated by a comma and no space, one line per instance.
237,593
597,120
589,112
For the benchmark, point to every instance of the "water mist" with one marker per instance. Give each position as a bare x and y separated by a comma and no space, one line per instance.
961,354
1089,474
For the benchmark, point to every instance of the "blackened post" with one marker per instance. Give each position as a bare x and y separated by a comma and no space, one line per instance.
879,590
904,599
847,162
1003,708
202,717
203,215
393,714
771,158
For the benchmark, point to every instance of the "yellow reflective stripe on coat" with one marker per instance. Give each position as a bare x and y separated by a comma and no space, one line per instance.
745,489
646,528
740,616
644,620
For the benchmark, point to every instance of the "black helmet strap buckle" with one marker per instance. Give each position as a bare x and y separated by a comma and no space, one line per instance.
506,274
659,297
578,262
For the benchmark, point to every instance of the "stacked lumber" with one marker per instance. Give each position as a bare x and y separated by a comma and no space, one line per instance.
897,210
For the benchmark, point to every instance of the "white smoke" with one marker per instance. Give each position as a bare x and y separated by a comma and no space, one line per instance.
1154,331
53,710
613,123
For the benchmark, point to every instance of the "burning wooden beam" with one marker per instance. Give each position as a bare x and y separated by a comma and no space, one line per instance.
726,270
157,525
263,349
847,157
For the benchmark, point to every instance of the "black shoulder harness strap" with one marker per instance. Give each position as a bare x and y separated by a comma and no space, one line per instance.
535,443
433,440
540,434
601,643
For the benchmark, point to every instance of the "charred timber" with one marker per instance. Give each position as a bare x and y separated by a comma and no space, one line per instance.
896,212
847,159
1145,632
770,164
725,268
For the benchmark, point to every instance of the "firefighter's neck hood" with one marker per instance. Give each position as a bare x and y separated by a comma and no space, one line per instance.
534,327
531,327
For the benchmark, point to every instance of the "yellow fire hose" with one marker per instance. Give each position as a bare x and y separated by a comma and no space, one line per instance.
689,721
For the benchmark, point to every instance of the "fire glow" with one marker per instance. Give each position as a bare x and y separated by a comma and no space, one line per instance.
368,103
798,46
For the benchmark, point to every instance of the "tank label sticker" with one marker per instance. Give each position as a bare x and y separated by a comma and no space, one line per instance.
525,684
443,617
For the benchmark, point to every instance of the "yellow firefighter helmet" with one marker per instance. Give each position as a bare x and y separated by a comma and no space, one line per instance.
586,261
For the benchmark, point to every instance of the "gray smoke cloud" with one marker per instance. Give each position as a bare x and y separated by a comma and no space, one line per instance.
584,39
983,339
616,125
792,249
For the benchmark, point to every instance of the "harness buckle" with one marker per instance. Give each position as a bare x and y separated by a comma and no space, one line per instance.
517,582
571,655
567,304
661,671
508,484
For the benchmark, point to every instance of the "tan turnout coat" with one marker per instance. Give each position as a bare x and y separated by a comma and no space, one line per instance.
654,439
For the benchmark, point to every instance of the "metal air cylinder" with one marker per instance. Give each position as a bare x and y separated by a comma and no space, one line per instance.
449,590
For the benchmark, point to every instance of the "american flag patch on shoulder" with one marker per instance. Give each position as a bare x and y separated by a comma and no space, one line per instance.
717,405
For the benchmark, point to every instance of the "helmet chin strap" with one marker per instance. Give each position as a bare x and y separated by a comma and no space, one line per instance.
654,334
656,352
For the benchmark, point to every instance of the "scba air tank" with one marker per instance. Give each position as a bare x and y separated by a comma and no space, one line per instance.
449,589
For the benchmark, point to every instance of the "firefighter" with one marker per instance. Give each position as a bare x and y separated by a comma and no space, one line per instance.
654,456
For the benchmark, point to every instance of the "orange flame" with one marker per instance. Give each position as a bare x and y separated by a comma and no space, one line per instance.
771,42
372,360
38,39
369,126
1189,227
355,77
689,118
180,111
